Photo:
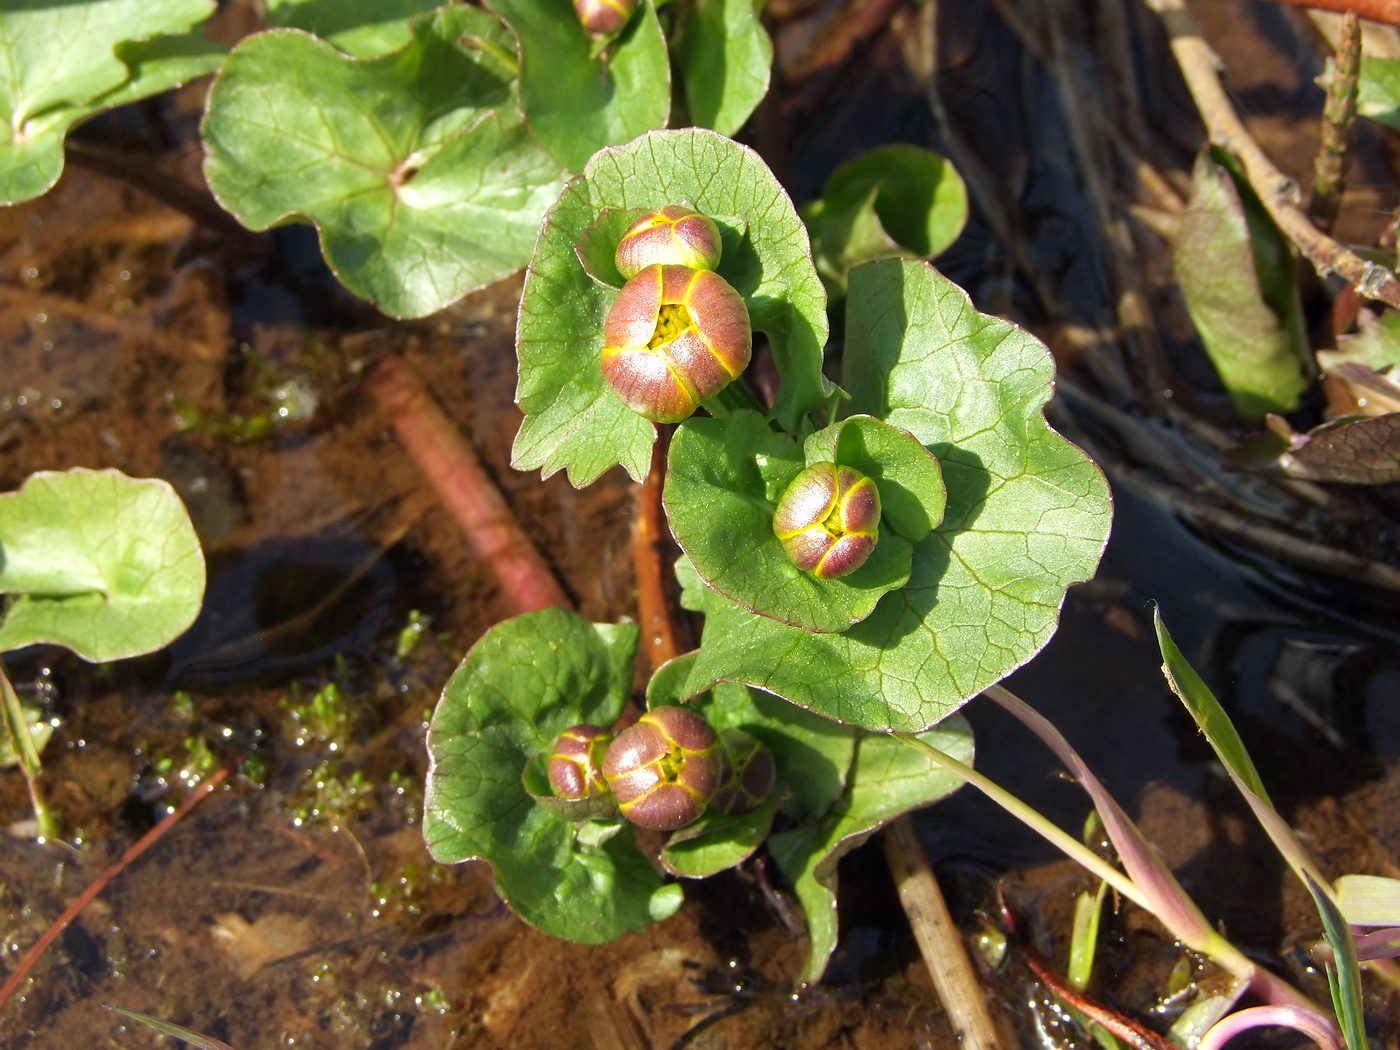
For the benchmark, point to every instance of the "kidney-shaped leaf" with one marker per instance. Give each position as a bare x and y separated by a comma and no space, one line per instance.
887,778
1352,450
62,63
107,565
1027,515
413,167
522,684
723,481
576,101
573,421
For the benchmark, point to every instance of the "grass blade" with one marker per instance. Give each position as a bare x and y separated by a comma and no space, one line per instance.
203,1042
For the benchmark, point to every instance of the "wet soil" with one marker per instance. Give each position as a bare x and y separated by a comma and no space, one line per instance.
297,907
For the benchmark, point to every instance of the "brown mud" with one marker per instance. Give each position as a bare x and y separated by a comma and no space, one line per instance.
298,908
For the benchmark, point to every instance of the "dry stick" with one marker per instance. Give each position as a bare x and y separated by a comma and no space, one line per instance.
452,468
661,636
100,883
1279,193
1338,114
1372,10
940,941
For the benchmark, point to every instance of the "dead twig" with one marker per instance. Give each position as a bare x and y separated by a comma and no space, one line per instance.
452,468
1338,114
940,941
1279,194
100,883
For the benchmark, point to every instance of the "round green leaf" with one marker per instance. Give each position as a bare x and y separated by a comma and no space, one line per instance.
522,684
577,102
725,57
413,167
104,564
918,196
62,63
1027,515
573,421
910,481
723,481
888,778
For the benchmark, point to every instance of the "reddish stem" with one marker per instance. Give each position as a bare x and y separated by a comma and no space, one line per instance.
100,883
651,545
1125,1028
452,468
1375,10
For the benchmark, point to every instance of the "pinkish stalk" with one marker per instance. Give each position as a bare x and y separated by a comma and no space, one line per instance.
452,468
1309,1022
1153,880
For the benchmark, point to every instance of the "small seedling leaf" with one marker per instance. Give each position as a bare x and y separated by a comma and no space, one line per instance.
1344,972
573,421
577,102
525,682
724,56
413,167
1236,275
888,778
1376,342
717,841
104,564
1027,515
723,480
360,28
63,63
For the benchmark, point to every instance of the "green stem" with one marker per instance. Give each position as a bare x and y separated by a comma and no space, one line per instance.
28,755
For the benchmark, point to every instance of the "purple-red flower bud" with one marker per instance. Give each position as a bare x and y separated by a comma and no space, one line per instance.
828,520
576,763
601,17
664,768
675,337
749,773
674,235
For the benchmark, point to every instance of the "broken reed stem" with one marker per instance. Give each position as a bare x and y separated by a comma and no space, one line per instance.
940,940
1338,115
662,638
100,883
1199,65
452,468
1387,11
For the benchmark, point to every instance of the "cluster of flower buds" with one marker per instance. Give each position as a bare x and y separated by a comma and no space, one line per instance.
678,333
665,769
602,17
828,520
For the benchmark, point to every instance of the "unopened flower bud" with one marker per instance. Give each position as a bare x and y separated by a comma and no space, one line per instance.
675,337
749,773
828,520
664,768
674,235
576,763
601,17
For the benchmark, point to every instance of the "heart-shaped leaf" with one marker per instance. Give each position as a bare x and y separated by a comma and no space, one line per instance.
105,564
723,481
62,63
525,682
1027,515
573,421
725,57
575,102
360,28
413,167
897,200
887,778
